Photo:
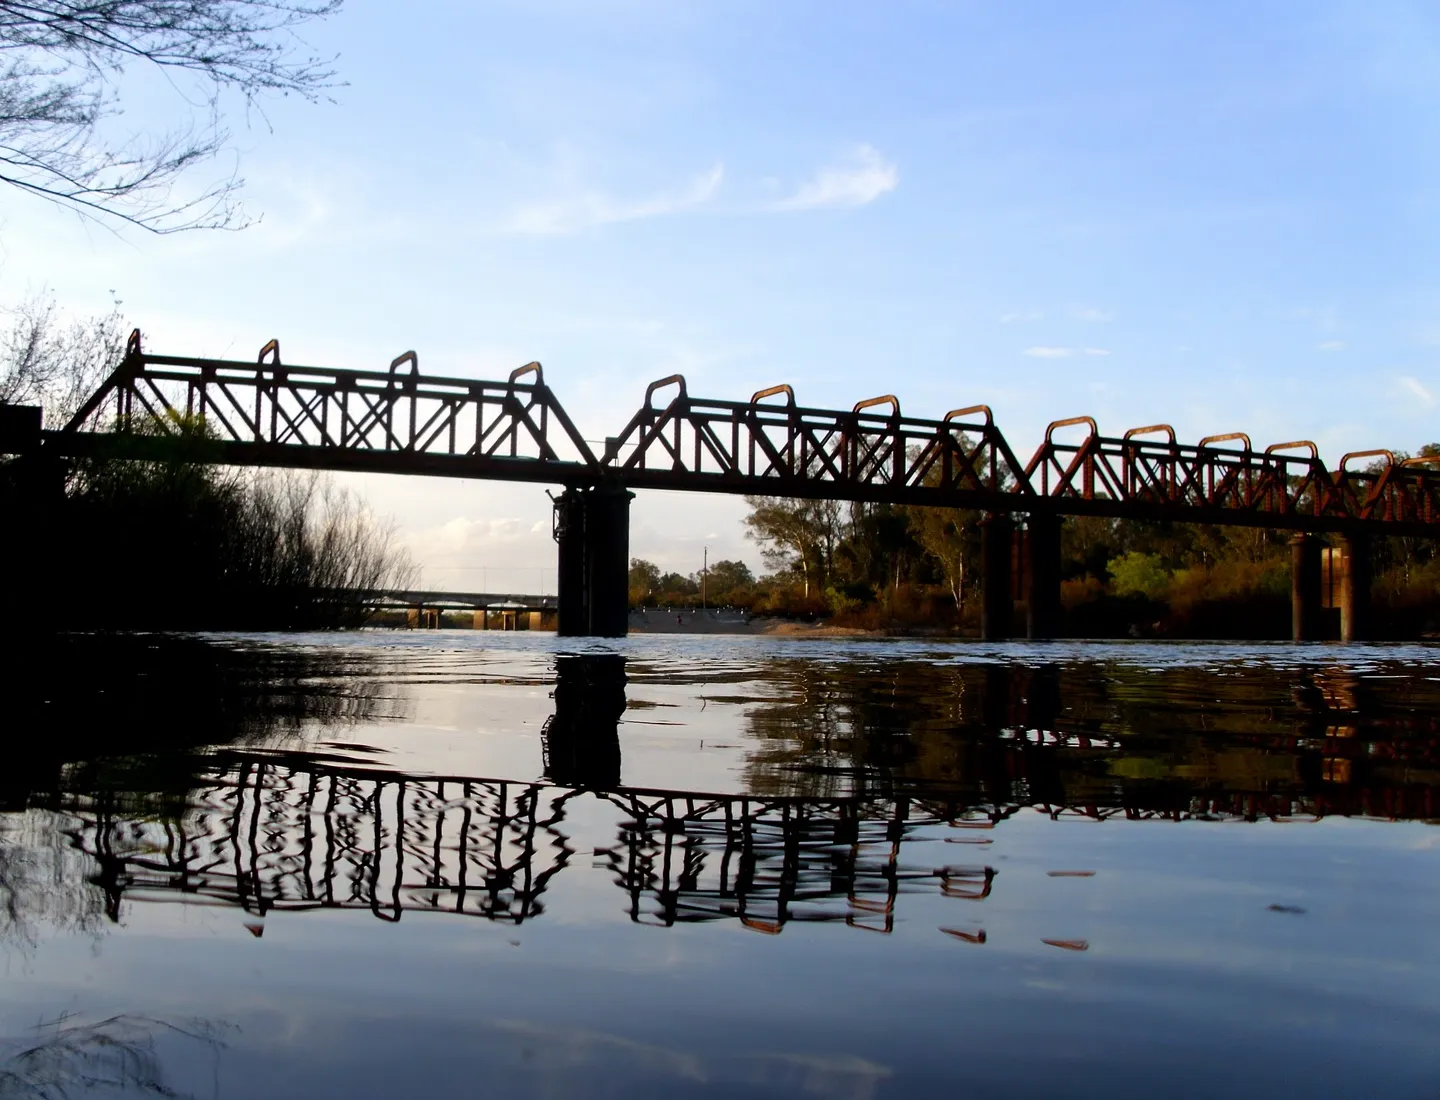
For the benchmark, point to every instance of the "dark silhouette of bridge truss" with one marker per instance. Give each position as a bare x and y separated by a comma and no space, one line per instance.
269,413
271,832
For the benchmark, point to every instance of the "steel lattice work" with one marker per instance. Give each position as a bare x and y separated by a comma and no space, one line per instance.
783,449
397,421
268,413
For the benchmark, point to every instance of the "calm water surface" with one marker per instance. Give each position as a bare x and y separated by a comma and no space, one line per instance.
456,864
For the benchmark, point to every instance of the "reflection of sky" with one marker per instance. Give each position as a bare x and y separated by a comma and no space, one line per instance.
1189,984
1185,962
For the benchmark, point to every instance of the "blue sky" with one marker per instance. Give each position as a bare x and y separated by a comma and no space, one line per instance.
1221,215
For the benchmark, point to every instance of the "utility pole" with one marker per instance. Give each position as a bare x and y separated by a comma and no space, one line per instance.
704,576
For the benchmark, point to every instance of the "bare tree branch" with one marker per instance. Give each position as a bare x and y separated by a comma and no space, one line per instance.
58,64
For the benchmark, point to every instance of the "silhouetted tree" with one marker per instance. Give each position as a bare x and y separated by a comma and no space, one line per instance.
55,361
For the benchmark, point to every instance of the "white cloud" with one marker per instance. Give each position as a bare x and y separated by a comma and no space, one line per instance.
1020,316
1092,315
1414,388
589,210
502,553
862,179
1050,352
1330,345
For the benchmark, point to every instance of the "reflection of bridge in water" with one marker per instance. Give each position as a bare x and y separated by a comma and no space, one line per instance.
284,833
267,830
274,831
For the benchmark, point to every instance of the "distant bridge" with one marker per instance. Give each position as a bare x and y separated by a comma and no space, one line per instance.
502,610
269,413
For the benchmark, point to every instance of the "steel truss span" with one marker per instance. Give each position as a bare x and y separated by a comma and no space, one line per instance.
269,413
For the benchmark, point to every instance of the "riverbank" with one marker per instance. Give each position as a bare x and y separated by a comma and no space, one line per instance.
727,621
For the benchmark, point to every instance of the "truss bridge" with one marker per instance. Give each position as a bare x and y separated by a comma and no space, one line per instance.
399,421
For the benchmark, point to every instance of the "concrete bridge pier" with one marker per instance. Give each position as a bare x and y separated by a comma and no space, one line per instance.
997,536
1306,593
1355,589
1042,576
592,528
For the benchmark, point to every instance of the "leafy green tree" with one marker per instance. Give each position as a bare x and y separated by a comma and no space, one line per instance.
951,537
1137,574
798,535
729,582
676,589
644,582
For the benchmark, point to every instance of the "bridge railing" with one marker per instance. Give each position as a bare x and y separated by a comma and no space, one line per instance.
267,405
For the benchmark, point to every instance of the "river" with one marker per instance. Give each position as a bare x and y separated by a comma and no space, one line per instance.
396,864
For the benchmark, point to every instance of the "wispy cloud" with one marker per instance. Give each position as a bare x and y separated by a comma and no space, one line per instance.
571,215
1330,345
862,178
1050,352
1021,316
1415,389
1094,316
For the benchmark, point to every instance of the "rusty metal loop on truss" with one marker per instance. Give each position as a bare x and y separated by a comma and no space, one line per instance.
1211,440
1149,430
1070,422
660,384
884,399
1381,452
408,357
1295,445
956,414
783,387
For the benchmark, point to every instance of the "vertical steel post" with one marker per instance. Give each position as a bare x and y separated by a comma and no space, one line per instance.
1305,589
1355,589
996,536
1042,582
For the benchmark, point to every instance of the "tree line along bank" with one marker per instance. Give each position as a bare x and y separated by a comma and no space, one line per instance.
905,567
